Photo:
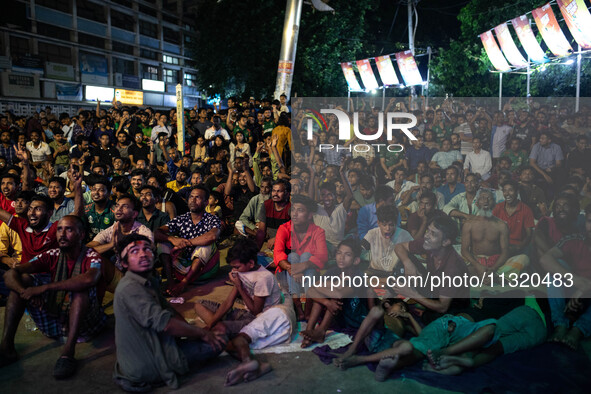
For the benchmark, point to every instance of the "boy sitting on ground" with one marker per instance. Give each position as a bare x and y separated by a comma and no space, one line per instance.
345,303
380,242
274,316
384,325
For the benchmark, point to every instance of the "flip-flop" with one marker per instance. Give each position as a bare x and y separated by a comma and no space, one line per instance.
133,387
64,367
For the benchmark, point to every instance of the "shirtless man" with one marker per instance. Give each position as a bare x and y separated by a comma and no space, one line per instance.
485,241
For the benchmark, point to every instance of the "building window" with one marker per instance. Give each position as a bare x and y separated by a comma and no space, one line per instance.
171,76
55,53
148,54
190,80
60,5
19,46
123,48
149,72
53,31
92,11
122,20
148,11
123,66
171,60
90,40
149,29
171,36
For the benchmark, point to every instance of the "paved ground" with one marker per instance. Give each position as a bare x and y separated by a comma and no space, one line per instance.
293,372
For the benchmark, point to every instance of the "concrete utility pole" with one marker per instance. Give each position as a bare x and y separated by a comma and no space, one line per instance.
289,44
411,40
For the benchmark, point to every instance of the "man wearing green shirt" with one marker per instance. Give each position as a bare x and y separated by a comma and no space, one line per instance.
147,327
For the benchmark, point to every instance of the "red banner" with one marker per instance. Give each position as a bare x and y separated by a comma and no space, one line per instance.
508,46
550,30
386,70
369,80
577,18
527,39
408,68
350,77
494,53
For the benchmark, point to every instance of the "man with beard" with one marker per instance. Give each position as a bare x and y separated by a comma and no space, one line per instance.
485,242
10,187
99,214
126,210
451,188
137,179
147,328
463,206
531,194
563,222
251,222
217,177
518,216
276,210
62,205
192,234
36,232
63,302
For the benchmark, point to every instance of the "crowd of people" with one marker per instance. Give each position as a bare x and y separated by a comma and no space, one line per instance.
110,200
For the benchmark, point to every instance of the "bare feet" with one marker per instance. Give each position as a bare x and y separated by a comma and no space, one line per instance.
263,369
385,367
237,375
453,370
558,334
313,336
345,363
433,358
573,338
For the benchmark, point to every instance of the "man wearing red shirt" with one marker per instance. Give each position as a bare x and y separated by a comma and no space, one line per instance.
300,249
518,216
36,232
58,287
276,210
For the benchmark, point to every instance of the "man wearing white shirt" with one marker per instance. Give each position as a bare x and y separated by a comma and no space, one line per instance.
216,130
500,134
161,127
478,161
67,126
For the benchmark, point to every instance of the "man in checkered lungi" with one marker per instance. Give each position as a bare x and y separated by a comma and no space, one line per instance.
59,289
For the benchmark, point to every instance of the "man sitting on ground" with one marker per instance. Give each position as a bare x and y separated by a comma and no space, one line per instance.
194,236
485,242
64,302
146,326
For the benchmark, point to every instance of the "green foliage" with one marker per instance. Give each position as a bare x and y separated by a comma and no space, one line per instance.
239,42
238,46
463,68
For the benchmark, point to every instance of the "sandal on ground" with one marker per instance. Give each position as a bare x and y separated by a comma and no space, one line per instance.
132,387
64,367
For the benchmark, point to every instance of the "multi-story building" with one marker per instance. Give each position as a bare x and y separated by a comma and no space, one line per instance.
69,53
